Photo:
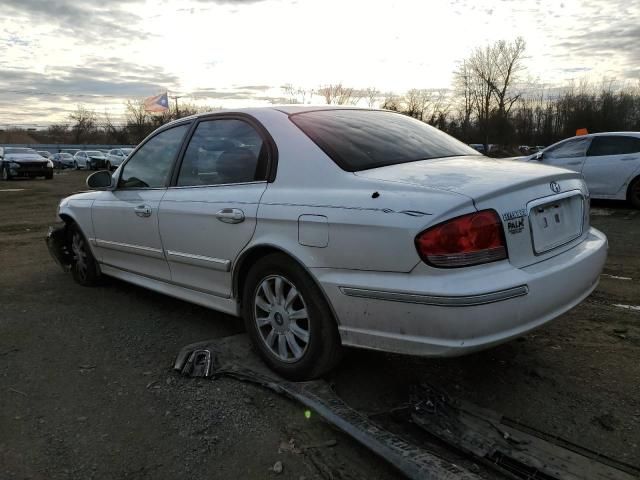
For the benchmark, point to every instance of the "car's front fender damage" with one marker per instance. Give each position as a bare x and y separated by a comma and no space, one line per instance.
58,245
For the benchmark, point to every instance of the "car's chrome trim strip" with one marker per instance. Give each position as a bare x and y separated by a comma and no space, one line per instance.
442,301
129,248
199,260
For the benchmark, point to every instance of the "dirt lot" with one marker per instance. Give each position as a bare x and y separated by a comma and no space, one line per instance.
87,390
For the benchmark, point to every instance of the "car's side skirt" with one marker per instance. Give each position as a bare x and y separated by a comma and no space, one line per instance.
222,304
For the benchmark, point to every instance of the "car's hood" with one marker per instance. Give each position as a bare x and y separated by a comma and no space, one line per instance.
25,157
473,176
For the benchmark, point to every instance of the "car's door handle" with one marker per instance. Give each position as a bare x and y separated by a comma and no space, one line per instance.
230,215
143,210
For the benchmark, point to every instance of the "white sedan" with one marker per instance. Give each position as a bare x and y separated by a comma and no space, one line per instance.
609,162
324,227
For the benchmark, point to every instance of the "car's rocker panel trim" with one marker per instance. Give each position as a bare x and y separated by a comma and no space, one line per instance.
188,294
442,301
199,260
129,248
163,281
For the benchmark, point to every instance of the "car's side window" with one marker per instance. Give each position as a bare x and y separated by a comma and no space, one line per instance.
223,151
150,167
614,145
569,149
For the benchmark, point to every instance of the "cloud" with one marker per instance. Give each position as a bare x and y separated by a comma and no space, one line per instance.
89,21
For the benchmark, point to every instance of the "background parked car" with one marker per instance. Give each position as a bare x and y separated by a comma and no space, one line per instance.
24,162
62,160
609,163
89,159
44,153
116,156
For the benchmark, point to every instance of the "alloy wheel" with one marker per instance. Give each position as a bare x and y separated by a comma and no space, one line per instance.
281,316
78,248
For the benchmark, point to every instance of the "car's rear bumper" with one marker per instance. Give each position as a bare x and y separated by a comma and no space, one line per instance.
435,312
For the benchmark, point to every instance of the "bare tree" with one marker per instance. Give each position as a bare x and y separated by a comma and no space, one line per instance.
338,95
391,101
84,125
371,94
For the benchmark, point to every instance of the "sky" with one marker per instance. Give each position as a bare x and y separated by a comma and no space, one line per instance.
57,54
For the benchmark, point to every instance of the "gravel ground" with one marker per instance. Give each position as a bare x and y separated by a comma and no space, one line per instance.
87,390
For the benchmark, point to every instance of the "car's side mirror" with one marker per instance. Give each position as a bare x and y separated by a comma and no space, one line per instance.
101,180
539,156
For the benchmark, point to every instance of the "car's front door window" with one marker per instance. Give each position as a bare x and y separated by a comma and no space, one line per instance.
570,149
150,167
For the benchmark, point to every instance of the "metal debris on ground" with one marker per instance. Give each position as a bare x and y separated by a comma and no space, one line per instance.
233,357
503,445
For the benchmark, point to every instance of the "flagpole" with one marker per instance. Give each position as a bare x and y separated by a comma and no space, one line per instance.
176,97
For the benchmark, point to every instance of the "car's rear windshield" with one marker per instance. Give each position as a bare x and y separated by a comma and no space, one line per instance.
363,139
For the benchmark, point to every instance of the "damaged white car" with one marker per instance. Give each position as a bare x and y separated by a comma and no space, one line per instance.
331,227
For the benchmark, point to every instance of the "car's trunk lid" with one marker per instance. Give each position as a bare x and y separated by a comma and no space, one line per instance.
543,209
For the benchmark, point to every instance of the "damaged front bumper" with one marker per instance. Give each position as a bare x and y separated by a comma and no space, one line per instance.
59,246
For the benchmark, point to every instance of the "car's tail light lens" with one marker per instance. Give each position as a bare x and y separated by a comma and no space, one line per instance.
463,241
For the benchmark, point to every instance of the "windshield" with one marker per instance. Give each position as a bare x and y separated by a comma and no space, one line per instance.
126,151
20,151
66,155
95,153
363,139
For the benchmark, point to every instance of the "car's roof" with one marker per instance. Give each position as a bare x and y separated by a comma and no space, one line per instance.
287,109
604,134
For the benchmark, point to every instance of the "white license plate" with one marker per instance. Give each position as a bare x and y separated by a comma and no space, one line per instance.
555,223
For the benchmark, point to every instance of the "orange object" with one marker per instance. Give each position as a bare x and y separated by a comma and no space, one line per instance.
581,131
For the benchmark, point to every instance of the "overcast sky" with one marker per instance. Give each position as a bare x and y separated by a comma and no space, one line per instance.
55,54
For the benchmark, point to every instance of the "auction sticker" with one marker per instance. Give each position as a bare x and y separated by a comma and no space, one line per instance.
515,220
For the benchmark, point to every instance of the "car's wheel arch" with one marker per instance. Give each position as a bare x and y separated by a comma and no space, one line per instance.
252,254
632,183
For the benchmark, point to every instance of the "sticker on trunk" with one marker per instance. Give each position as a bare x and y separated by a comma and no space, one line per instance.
515,220
516,225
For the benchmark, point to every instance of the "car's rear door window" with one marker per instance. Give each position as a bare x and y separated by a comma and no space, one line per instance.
150,166
363,139
614,145
223,151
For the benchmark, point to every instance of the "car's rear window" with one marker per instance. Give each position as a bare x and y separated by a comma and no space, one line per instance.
363,139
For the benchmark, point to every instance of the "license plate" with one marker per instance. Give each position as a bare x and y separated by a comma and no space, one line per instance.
555,223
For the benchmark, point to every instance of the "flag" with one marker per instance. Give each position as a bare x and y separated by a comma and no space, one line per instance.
157,104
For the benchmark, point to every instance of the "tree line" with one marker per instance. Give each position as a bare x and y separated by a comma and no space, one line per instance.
491,101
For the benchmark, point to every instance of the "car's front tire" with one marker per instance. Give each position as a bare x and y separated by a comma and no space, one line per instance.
288,319
634,193
84,267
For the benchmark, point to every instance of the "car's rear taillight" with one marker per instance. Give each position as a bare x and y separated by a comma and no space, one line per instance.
463,241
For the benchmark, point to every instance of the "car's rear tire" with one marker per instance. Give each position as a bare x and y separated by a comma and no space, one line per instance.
84,267
5,174
289,320
633,196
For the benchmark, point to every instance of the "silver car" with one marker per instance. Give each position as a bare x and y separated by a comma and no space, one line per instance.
327,227
609,163
116,156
